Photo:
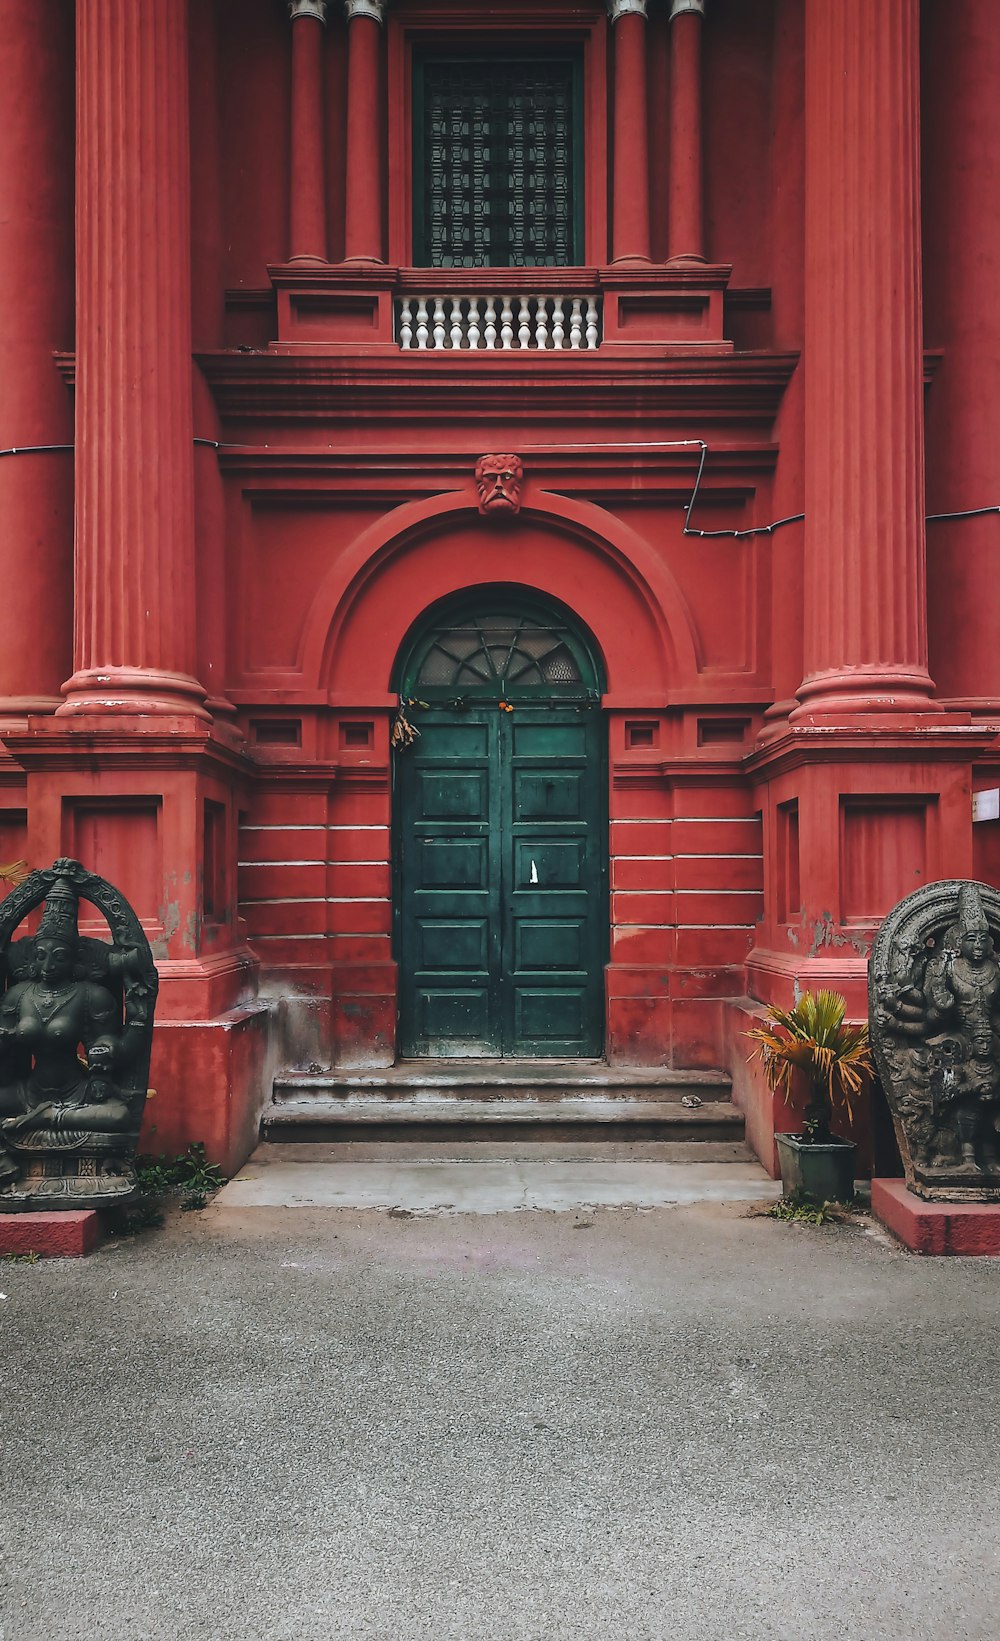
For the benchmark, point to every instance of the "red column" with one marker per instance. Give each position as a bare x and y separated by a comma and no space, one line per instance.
307,183
36,318
865,577
961,172
134,641
685,236
630,181
363,224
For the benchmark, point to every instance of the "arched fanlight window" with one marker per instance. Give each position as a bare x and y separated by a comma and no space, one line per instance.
499,652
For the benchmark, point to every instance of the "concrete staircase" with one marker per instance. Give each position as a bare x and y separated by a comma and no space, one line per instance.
456,1101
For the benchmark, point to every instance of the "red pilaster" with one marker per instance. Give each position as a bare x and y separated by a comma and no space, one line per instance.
630,182
961,147
685,233
307,183
36,318
134,639
363,212
865,588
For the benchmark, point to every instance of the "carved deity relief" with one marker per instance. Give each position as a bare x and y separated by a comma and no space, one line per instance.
499,480
934,1001
76,1028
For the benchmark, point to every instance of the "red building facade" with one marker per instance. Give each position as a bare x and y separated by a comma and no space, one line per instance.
720,274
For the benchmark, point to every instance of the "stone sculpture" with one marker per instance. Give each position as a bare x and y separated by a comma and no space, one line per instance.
499,480
76,1028
934,1001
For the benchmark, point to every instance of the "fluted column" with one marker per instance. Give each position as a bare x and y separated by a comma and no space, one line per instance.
961,146
307,185
630,178
363,215
36,318
134,638
865,585
685,234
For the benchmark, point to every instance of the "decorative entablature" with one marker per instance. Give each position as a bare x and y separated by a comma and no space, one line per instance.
661,394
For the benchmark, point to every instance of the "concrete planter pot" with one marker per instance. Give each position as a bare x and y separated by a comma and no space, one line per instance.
823,1173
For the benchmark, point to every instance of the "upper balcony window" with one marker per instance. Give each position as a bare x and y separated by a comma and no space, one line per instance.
498,167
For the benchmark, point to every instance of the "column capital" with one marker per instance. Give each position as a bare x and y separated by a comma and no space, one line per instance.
679,6
308,8
624,8
375,9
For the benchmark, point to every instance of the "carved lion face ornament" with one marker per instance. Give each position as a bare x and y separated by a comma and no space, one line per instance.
499,480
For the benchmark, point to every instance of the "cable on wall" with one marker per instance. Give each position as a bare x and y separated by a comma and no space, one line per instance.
628,444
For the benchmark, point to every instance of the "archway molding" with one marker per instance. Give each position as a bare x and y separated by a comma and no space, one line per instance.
571,551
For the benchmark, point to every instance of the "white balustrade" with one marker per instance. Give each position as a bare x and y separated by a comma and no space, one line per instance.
481,324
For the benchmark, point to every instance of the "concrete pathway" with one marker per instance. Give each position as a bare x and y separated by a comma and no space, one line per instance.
688,1423
493,1180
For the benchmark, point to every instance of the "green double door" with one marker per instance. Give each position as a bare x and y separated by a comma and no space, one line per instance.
501,882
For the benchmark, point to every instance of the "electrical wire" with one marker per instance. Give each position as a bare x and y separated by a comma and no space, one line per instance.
628,444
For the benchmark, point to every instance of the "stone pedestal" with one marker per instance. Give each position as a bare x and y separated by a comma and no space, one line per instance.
936,1227
49,1235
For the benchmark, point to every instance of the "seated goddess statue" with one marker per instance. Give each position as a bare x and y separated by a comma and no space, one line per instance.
70,1050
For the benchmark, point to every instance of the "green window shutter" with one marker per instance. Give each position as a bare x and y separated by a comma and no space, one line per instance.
497,163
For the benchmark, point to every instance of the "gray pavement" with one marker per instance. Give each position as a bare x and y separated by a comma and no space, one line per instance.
685,1422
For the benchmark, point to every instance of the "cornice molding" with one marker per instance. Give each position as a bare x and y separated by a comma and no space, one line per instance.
397,388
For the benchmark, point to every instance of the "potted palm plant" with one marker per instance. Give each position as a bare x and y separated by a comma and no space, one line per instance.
812,1043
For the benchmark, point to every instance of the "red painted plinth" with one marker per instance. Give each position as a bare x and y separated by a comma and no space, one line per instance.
937,1227
49,1236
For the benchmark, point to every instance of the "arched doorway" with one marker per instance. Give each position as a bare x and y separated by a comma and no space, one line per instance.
500,859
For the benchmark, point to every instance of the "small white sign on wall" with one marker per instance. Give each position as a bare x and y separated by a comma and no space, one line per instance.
986,805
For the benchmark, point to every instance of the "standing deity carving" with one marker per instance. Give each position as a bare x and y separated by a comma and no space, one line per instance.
76,1025
934,997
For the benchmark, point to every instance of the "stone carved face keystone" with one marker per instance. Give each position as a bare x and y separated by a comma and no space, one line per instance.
499,480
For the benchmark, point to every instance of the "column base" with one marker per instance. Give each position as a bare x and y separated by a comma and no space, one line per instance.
854,691
117,690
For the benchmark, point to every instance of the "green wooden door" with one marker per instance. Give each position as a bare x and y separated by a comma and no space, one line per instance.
502,904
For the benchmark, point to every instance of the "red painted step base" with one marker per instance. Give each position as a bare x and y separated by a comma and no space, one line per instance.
937,1227
51,1235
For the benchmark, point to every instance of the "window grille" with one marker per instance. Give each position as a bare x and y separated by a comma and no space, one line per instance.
498,652
496,158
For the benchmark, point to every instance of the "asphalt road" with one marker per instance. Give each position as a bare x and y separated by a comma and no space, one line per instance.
679,1423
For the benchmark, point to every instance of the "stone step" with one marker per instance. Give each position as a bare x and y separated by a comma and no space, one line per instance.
488,1079
319,1114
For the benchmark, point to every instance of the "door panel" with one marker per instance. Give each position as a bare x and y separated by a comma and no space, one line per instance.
502,902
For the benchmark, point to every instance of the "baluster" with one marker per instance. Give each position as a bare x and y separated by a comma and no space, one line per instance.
524,324
490,330
576,323
542,322
422,322
592,330
506,324
558,317
457,334
406,323
440,333
474,332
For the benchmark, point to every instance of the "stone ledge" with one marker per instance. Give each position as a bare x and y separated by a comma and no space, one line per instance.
54,1235
971,1228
